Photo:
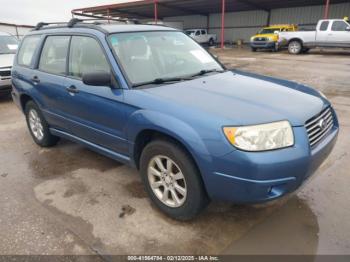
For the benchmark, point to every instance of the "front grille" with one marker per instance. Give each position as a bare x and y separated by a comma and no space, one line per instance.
260,39
5,73
319,126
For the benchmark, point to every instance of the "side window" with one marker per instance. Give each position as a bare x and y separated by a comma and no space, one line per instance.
324,26
28,47
86,56
339,26
203,32
54,55
198,32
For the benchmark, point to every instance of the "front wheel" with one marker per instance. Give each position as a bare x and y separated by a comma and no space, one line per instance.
253,49
38,127
295,47
172,180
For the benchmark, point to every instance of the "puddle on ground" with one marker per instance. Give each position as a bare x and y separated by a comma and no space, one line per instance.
136,189
292,229
65,158
114,203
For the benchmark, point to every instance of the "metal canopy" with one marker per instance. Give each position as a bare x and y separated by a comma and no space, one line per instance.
166,8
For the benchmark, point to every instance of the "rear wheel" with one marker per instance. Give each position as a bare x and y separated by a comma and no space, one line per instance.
211,42
172,180
38,127
295,47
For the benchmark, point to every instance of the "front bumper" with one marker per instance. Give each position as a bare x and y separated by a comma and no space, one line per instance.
254,177
263,44
5,86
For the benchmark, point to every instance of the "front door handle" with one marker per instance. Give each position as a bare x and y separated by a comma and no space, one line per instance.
35,80
72,89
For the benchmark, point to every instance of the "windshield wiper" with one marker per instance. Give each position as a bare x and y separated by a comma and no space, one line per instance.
159,81
207,71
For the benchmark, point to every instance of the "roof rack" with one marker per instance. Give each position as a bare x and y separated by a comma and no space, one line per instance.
74,21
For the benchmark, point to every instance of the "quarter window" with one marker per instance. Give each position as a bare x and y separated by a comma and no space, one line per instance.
26,52
86,56
339,26
324,26
54,55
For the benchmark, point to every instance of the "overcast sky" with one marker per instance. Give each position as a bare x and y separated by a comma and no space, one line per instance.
30,12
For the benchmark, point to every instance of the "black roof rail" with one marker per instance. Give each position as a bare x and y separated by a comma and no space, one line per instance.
40,25
74,22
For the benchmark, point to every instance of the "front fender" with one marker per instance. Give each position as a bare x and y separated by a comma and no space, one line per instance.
142,120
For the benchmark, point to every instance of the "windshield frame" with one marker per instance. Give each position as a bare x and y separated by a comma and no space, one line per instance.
125,74
272,30
12,52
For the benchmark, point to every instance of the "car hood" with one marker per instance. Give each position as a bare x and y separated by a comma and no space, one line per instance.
6,60
237,99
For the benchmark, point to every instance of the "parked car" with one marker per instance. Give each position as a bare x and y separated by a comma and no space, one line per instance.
329,33
202,36
152,98
267,38
8,47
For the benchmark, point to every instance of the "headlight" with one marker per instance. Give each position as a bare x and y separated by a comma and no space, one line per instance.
261,137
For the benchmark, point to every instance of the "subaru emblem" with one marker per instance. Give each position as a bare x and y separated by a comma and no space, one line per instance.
322,124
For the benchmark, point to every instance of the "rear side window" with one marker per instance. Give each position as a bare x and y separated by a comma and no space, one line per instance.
324,26
86,56
339,26
28,47
54,55
203,32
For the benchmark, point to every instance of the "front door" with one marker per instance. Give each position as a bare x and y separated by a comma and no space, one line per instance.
339,35
97,111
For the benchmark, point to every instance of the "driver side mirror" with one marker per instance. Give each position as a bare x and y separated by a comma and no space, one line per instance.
347,29
97,79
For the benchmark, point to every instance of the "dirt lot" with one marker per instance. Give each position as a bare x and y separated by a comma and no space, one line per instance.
69,200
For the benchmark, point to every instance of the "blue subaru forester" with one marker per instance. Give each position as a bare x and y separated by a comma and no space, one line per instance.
151,97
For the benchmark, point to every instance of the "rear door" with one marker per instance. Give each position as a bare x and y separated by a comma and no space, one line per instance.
98,111
49,81
338,34
322,33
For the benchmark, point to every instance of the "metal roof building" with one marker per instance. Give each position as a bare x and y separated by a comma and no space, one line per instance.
231,19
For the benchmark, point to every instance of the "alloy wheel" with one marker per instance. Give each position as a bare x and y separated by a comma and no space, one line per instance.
167,181
35,124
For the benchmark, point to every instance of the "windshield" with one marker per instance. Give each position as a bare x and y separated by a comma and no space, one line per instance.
269,30
8,44
190,32
148,56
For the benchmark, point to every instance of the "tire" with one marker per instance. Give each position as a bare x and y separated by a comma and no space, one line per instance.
253,49
305,50
190,203
295,47
211,42
38,127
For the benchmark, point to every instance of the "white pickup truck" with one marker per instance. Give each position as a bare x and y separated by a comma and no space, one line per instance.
202,36
329,33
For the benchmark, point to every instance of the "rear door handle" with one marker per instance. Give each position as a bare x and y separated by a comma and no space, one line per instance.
35,80
72,89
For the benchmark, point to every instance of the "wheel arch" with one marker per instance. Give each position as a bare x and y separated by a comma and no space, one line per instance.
24,99
143,126
296,39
